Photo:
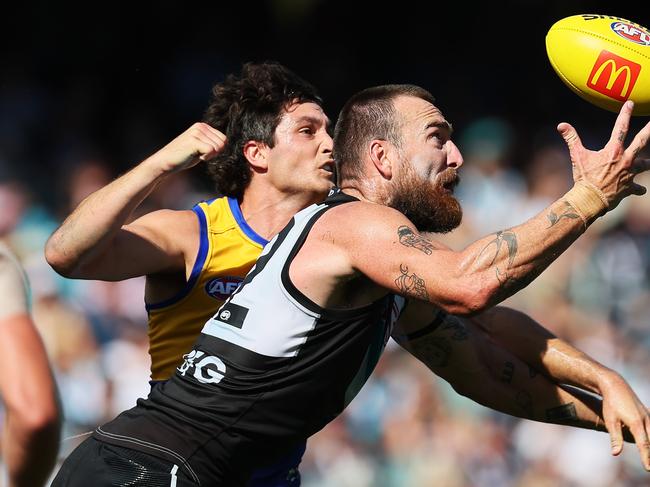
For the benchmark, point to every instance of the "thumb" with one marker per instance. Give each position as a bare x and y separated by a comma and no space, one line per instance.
569,135
637,189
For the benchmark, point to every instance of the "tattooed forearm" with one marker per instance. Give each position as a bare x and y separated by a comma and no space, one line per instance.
503,240
412,285
409,238
508,372
456,325
433,351
562,414
567,212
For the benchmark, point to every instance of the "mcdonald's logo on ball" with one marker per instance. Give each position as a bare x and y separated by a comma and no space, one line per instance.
614,76
603,59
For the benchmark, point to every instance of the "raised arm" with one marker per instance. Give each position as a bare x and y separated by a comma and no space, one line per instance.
385,246
94,242
501,378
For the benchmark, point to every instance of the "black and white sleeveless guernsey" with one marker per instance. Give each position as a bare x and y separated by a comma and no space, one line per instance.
268,370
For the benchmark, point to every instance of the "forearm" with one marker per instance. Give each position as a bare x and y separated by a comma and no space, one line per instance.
478,368
507,261
30,450
511,386
538,347
94,223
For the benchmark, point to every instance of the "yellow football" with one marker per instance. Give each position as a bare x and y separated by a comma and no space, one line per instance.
604,59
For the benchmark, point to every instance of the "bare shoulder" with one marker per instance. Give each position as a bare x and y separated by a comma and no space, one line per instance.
363,222
362,219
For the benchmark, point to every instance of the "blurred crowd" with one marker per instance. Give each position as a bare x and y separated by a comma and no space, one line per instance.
406,428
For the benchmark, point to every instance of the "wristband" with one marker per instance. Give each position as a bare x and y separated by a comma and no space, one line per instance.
588,201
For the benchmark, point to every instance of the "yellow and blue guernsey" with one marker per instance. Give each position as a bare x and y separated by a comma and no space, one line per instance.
228,249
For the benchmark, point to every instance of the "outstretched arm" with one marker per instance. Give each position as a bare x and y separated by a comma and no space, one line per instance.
385,246
461,353
565,364
94,242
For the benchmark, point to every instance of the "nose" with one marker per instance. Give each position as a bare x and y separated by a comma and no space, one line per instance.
327,144
454,157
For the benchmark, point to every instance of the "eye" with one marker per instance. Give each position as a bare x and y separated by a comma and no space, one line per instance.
437,137
307,130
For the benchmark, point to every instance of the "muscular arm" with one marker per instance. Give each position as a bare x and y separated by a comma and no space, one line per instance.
31,437
565,364
94,242
463,354
385,246
477,368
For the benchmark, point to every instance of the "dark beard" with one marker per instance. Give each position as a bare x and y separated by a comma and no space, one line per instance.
431,208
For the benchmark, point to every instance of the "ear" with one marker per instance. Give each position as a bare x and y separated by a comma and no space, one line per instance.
256,154
379,157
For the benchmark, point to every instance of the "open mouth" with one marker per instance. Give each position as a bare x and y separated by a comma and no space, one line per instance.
329,167
450,180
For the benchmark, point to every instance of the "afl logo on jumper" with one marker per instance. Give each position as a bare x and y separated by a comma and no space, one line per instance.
222,287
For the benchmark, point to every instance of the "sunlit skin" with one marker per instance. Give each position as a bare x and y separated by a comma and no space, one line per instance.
301,160
426,175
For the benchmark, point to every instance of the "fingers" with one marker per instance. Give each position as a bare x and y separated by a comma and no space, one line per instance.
616,436
639,141
639,430
646,443
212,140
569,135
640,165
212,133
622,124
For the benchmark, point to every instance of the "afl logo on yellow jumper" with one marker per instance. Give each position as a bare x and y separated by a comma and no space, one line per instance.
222,287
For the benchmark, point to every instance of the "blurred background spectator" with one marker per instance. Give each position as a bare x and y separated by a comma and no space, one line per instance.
82,101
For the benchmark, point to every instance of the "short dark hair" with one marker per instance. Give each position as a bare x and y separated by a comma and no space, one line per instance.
368,115
248,107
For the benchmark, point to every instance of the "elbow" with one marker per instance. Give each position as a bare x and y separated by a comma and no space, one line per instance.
58,260
469,299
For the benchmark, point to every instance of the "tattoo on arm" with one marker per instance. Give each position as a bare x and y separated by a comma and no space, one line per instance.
567,212
508,372
433,351
457,326
510,240
412,285
621,136
409,238
562,414
524,401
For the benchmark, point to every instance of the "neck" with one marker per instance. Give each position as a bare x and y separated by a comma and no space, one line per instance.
365,190
268,210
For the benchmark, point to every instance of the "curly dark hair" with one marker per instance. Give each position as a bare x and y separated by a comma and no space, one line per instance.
248,107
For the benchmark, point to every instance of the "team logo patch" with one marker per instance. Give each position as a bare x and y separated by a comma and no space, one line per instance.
631,32
222,287
613,76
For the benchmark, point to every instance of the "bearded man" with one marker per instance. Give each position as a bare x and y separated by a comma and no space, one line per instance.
292,346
